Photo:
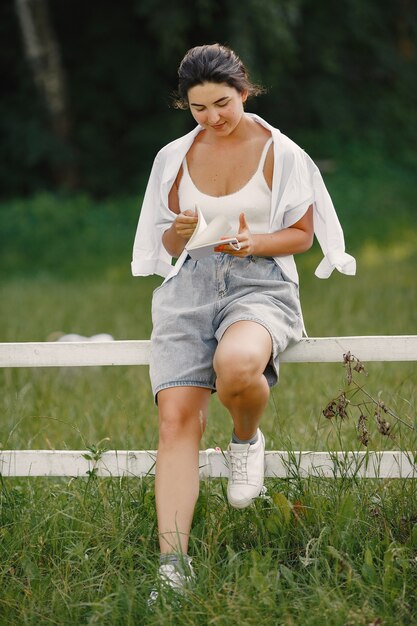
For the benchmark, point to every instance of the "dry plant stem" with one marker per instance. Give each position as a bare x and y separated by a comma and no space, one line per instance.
339,407
383,406
348,359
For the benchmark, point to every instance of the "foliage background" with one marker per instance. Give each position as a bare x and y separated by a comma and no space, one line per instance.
341,79
337,73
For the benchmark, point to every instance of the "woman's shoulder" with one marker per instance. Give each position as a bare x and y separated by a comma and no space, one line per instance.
177,145
291,154
283,142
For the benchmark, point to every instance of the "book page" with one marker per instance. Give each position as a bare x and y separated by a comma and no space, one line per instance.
202,251
201,225
219,227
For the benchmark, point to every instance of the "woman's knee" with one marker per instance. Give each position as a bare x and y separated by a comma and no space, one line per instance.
242,356
178,418
239,372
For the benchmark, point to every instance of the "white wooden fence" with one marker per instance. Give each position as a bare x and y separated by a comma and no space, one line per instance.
214,463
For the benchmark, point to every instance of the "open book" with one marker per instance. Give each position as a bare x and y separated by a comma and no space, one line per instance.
206,237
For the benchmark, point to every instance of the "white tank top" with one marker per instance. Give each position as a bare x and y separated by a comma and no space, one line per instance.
253,199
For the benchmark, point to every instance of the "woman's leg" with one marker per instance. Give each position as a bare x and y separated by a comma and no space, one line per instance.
182,420
239,362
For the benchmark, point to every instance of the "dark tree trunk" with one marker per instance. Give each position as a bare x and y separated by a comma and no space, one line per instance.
43,55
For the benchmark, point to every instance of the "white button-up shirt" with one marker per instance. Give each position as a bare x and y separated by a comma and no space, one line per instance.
296,184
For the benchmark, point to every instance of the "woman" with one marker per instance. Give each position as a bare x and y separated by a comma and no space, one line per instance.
220,323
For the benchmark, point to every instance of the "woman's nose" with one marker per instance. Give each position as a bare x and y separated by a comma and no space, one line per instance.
213,117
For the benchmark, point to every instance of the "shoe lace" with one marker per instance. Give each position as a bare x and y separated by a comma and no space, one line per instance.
238,466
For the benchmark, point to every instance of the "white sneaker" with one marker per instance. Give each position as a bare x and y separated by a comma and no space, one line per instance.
173,578
246,473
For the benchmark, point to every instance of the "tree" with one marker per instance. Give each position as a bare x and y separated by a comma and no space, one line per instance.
44,58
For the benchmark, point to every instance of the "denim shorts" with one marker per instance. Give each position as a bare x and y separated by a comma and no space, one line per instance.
192,310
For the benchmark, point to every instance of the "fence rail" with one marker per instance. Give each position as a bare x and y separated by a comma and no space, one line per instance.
308,350
213,463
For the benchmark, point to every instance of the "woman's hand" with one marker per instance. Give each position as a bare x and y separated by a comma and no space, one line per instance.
292,240
244,237
185,224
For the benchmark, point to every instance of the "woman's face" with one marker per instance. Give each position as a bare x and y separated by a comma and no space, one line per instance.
217,107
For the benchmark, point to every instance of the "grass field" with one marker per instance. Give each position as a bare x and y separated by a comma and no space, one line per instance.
72,407
315,551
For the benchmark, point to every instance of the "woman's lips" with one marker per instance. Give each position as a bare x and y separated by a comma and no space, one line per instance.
218,126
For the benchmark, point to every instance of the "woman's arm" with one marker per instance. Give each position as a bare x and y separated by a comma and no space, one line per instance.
181,229
293,240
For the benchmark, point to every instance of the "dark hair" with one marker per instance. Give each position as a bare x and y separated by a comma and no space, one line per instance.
212,64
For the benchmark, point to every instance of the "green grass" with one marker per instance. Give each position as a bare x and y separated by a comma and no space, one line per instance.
316,551
82,552
68,406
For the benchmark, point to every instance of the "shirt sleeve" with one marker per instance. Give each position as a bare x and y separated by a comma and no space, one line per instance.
297,190
293,215
328,230
300,184
149,255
